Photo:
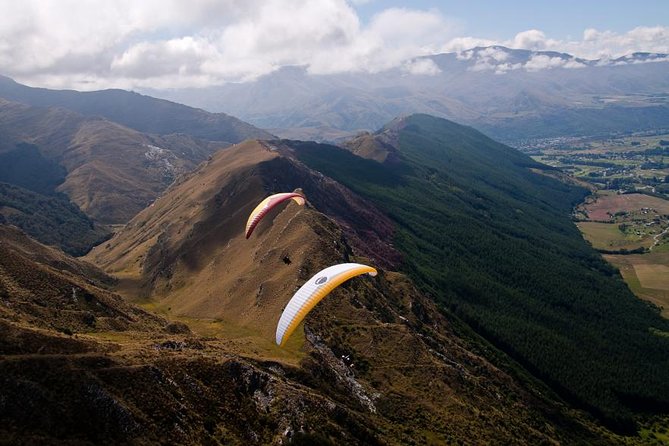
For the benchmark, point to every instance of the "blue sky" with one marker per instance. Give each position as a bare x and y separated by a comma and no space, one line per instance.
560,19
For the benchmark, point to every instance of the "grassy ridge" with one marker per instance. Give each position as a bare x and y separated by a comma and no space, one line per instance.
493,242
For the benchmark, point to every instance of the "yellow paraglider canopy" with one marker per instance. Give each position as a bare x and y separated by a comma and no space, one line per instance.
312,292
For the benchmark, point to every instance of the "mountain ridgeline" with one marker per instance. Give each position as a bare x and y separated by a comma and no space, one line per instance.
510,94
489,238
72,160
482,278
109,171
136,111
385,364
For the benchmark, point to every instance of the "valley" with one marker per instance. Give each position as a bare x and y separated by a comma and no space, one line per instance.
627,217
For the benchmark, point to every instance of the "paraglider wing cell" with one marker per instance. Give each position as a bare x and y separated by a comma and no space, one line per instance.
312,292
266,205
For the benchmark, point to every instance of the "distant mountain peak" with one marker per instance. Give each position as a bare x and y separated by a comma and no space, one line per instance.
501,53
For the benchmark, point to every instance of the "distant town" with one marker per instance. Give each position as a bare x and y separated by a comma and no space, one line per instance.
625,164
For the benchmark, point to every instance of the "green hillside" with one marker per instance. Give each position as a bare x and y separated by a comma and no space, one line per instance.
493,242
51,219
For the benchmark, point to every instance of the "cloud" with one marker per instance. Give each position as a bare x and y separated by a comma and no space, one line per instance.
498,60
594,44
606,44
90,44
421,67
391,38
125,43
461,44
532,39
598,44
540,62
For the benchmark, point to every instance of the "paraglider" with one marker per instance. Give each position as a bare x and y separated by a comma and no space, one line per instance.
312,292
267,204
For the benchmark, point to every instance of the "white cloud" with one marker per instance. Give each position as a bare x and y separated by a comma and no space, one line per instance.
542,62
90,44
532,39
505,67
425,67
490,59
598,44
574,64
392,37
461,44
494,53
129,44
603,46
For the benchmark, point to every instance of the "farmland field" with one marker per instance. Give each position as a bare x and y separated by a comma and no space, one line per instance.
625,164
607,236
626,222
609,203
617,222
627,216
653,276
647,275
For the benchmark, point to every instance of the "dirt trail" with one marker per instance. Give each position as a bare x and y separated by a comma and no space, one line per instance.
657,238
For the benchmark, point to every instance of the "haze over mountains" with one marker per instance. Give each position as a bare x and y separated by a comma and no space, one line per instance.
510,94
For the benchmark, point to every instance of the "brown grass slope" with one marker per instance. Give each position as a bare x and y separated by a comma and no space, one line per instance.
112,171
384,363
44,291
78,365
380,146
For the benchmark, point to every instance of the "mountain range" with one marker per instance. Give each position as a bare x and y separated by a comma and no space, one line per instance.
93,150
485,231
142,113
475,224
376,364
510,94
491,319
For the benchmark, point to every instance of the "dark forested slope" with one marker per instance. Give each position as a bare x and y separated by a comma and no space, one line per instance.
492,241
